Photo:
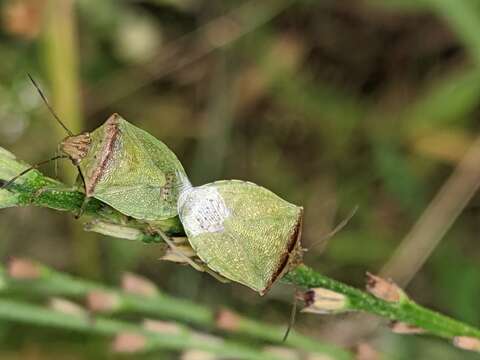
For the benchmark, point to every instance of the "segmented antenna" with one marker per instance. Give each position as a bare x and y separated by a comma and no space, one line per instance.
11,181
337,228
44,98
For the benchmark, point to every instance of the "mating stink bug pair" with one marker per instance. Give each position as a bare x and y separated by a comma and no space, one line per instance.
239,230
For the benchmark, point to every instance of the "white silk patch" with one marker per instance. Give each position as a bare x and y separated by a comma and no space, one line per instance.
202,210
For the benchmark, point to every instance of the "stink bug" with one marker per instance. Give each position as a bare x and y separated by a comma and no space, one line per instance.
242,231
125,167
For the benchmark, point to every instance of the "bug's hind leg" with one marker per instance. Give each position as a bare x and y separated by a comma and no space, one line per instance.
215,275
183,256
177,251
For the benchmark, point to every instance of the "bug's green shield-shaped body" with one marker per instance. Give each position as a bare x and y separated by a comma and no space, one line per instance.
129,169
241,230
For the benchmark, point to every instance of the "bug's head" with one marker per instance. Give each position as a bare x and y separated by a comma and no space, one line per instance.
76,147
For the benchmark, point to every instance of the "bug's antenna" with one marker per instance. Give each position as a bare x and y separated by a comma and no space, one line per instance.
44,98
293,314
8,183
337,228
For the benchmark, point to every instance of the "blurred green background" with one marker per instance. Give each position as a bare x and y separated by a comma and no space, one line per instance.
330,104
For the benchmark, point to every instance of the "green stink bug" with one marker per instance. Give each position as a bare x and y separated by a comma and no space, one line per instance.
239,230
242,231
128,169
123,166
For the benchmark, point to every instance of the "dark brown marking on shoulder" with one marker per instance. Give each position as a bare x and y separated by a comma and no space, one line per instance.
111,136
286,256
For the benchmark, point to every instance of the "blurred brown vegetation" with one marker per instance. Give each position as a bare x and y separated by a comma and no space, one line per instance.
330,104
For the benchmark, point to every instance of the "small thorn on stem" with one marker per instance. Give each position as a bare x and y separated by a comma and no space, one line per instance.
365,351
135,284
227,320
161,327
198,355
65,306
384,289
102,301
23,269
128,343
467,343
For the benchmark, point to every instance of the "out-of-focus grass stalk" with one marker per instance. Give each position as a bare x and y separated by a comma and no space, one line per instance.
159,305
437,218
61,60
183,339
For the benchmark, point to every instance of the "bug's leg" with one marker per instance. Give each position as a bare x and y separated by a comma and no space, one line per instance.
215,275
178,251
33,167
180,254
40,192
172,254
82,209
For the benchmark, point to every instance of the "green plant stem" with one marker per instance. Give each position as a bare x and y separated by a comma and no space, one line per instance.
184,339
405,310
54,283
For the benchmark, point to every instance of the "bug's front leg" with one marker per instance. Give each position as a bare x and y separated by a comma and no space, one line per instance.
47,193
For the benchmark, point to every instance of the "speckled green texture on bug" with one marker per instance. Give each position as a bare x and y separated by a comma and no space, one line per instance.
242,231
128,169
